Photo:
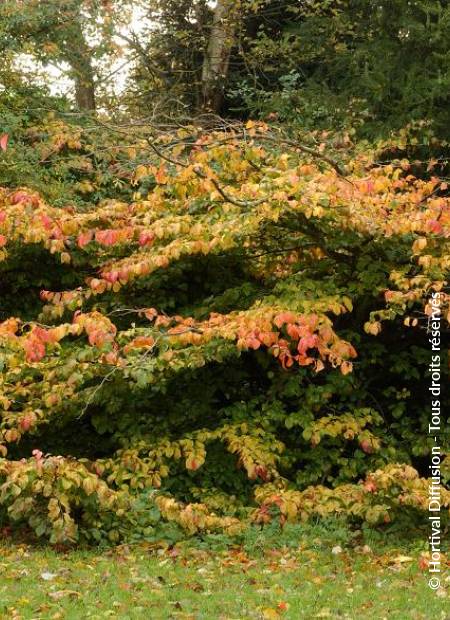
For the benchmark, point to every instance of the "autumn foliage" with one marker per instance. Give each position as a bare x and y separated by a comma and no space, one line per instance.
247,336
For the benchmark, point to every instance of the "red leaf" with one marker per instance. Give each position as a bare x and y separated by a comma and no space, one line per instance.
146,238
435,227
191,464
46,295
26,422
261,472
22,196
111,276
307,342
34,349
253,343
370,487
106,237
366,446
4,142
46,221
84,238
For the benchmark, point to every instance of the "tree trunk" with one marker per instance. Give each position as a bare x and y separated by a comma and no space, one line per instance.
85,91
217,56
79,58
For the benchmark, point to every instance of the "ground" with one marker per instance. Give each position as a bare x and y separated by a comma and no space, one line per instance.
307,580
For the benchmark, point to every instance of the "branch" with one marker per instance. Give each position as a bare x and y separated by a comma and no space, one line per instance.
307,149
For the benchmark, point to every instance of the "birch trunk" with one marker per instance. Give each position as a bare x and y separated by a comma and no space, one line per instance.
217,56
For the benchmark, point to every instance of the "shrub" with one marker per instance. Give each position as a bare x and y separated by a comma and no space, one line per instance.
246,338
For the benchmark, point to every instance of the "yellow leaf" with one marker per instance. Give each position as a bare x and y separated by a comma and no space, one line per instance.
270,614
419,245
401,559
372,328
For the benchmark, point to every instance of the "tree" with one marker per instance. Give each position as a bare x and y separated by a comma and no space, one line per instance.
79,56
58,32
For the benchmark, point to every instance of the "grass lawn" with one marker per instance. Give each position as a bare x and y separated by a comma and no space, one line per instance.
190,582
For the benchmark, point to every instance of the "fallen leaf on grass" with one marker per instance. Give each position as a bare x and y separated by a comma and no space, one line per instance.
270,614
401,559
46,576
176,604
195,587
124,586
62,593
323,613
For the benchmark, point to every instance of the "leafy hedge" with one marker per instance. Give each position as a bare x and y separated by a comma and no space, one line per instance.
246,339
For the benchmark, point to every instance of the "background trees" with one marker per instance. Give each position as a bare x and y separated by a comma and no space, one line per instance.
373,66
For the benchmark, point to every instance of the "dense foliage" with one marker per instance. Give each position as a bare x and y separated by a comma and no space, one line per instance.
372,65
243,338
